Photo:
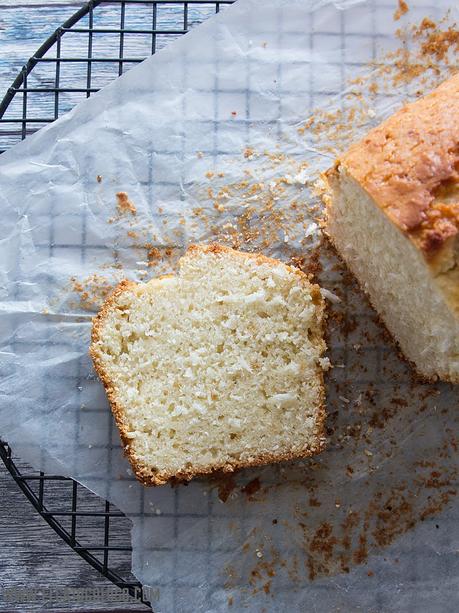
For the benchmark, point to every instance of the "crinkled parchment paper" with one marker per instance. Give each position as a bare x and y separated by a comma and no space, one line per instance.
221,137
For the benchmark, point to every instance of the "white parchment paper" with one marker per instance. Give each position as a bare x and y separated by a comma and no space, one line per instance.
210,139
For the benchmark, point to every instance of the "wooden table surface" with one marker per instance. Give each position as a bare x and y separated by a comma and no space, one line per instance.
31,553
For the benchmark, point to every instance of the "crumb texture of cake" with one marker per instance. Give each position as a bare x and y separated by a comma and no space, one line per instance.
393,215
215,368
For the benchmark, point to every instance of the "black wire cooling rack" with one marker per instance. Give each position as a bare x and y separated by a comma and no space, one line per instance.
98,43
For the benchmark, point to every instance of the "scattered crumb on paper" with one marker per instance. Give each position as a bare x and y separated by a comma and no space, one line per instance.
124,205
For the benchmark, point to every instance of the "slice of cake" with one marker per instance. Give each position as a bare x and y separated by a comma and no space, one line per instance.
393,215
216,368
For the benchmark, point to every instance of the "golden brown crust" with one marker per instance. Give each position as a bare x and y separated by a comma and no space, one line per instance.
217,249
410,166
146,474
147,477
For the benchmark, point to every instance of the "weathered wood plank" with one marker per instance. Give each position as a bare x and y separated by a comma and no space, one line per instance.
41,3
32,554
22,32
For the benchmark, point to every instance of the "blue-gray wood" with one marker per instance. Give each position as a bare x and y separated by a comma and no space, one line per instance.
23,30
23,27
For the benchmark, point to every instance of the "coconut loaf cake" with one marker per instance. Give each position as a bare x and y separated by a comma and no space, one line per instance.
393,215
215,368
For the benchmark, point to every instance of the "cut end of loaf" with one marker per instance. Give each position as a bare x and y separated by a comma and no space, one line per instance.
393,215
392,270
216,368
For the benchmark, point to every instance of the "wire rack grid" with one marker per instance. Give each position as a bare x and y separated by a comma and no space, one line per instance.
97,44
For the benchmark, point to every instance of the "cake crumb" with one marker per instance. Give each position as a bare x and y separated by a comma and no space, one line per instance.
92,291
401,10
225,486
124,205
252,487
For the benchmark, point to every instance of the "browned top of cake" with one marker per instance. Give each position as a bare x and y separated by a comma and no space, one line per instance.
410,166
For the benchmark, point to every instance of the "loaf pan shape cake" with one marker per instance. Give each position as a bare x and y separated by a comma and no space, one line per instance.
393,215
216,368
